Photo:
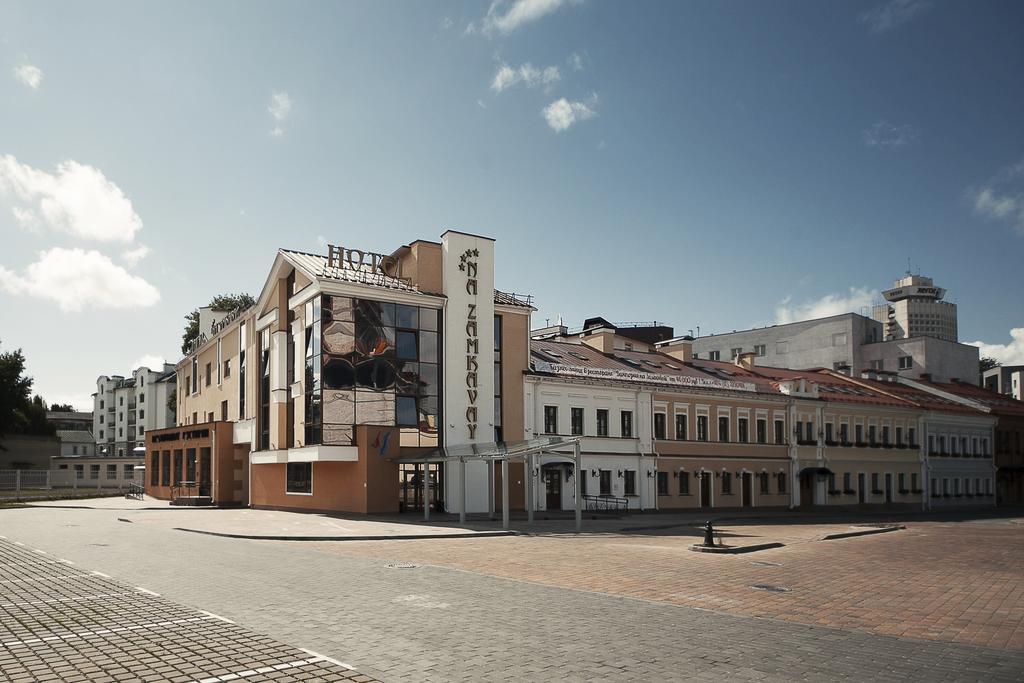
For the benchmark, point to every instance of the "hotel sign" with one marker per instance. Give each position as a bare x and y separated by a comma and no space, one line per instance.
468,265
363,261
643,377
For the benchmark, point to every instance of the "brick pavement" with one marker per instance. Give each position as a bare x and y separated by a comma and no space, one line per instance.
444,623
59,622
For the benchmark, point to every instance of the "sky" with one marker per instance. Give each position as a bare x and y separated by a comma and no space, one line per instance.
712,165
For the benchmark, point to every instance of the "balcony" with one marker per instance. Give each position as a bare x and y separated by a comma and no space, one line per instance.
806,442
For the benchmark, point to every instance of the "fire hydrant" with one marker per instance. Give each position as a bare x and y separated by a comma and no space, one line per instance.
709,535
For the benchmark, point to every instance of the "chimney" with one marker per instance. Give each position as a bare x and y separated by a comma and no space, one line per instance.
746,360
680,348
601,339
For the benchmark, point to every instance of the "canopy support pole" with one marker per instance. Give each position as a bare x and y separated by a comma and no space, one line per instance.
576,457
462,490
490,489
530,492
504,494
426,491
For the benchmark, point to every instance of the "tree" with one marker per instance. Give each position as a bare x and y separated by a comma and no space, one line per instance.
62,408
987,363
172,401
15,390
221,302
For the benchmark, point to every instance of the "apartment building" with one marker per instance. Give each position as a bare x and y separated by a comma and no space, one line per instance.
125,408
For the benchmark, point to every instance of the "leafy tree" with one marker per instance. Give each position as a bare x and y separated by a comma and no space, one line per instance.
987,363
62,408
172,401
15,390
221,302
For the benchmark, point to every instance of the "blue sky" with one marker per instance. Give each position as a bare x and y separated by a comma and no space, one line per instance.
713,164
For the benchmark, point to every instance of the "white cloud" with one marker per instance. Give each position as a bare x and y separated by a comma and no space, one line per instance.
28,75
321,241
151,361
887,136
519,12
893,14
77,199
1002,199
76,279
830,304
481,104
527,74
1007,354
576,61
562,113
133,256
280,107
447,23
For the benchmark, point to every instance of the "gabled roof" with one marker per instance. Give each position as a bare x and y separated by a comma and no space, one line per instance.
75,436
837,388
1000,404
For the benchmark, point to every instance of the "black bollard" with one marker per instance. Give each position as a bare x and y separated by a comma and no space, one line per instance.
709,535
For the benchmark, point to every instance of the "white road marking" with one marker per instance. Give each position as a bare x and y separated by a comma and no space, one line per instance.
100,632
265,669
216,616
328,659
147,591
95,573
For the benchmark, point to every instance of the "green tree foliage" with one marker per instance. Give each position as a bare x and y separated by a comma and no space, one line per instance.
987,363
19,414
221,302
62,408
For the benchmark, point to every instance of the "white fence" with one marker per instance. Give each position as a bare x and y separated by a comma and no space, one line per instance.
56,483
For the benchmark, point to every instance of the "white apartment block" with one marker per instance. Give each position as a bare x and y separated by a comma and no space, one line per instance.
125,408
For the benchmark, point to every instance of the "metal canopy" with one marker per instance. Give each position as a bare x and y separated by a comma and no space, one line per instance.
502,452
822,471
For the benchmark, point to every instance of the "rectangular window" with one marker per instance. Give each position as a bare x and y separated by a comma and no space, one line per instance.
227,368
111,471
828,432
782,482
94,471
726,483
902,482
913,482
764,482
899,436
911,436
241,371
194,378
154,469
780,431
681,426
847,482
550,419
264,393
742,427
300,477
885,435
627,423
858,432
684,483
735,353
312,430
714,355
759,349
630,482
702,428
224,411
762,430
906,362
877,364
208,374
872,434
662,483
602,422
129,471
79,471
165,469
606,482
723,428
874,483
577,421
659,425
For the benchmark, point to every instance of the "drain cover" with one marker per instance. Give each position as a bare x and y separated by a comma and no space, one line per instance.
762,563
770,588
401,565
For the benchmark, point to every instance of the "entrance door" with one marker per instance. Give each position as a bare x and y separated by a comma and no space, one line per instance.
888,487
705,489
806,490
748,480
204,472
862,485
553,487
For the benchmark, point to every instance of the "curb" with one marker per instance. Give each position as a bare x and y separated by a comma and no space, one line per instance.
863,532
734,550
395,537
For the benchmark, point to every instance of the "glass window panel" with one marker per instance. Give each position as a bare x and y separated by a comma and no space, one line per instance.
428,347
497,333
316,308
428,319
339,338
387,314
405,345
375,373
405,411
407,316
407,376
428,379
313,373
338,373
338,435
375,407
497,411
409,437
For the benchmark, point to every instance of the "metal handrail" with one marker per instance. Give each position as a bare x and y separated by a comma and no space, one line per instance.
136,491
605,503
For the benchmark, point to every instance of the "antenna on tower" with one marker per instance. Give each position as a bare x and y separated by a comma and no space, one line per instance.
908,265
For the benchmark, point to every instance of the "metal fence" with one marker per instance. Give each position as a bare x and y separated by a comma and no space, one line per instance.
40,484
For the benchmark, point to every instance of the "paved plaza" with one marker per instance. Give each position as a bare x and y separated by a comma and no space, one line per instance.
940,600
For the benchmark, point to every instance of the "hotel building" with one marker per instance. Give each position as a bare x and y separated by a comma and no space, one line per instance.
349,363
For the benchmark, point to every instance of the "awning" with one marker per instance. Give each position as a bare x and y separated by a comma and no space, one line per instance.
820,471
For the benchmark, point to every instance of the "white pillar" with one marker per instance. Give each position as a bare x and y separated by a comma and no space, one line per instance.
530,492
577,458
504,494
425,478
490,489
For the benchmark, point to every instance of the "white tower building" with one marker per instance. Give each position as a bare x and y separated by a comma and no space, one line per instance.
915,309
